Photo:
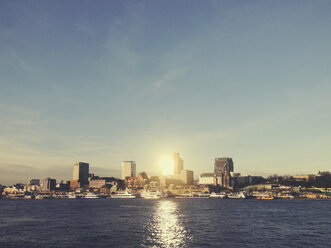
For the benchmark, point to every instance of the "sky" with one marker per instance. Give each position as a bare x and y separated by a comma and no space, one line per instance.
108,81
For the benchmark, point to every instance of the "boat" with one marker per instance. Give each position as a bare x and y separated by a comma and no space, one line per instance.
124,195
39,197
267,198
240,195
148,194
71,196
219,195
91,195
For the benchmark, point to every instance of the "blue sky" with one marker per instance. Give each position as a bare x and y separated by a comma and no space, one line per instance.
108,81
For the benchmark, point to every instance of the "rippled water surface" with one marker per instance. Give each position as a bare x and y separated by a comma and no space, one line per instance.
165,223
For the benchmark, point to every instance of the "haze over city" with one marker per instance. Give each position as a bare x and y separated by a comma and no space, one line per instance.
109,81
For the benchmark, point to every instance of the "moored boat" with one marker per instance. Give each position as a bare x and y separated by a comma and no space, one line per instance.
219,195
124,195
91,195
148,194
239,195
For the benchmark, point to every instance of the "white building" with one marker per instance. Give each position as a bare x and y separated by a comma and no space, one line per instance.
207,179
128,169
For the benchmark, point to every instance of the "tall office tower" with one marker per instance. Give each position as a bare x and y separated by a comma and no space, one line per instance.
220,163
178,164
81,173
128,169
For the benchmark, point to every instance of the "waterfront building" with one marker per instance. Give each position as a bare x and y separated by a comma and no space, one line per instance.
222,169
178,164
74,185
97,183
48,184
171,179
131,182
128,169
186,177
81,173
32,188
63,186
142,179
207,179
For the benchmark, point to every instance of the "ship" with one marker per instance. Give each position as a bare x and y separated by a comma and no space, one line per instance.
240,195
91,195
71,195
219,195
148,194
124,195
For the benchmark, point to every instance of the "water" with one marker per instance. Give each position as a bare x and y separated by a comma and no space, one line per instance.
164,223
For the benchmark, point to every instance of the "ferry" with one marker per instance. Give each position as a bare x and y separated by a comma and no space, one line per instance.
91,195
123,195
147,194
219,195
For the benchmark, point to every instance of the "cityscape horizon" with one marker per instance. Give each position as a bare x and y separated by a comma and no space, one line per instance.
117,173
163,164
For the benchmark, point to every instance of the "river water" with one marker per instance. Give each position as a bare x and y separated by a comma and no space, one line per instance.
165,223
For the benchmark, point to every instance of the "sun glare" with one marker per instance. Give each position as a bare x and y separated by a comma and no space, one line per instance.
167,166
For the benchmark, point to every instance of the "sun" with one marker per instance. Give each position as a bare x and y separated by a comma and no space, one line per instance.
167,166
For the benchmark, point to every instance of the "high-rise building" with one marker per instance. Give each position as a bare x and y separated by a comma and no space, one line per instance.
220,163
128,169
178,163
81,173
222,169
48,184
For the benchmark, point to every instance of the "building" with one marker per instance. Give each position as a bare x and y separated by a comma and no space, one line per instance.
48,184
142,179
81,173
305,178
96,182
220,164
34,182
1,189
222,170
187,177
132,182
63,186
180,176
128,169
178,164
74,184
207,179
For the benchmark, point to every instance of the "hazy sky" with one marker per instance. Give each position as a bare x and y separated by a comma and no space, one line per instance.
107,81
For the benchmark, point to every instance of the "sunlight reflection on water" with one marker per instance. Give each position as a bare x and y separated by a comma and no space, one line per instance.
166,228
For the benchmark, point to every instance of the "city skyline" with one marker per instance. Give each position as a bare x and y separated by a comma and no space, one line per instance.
113,81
